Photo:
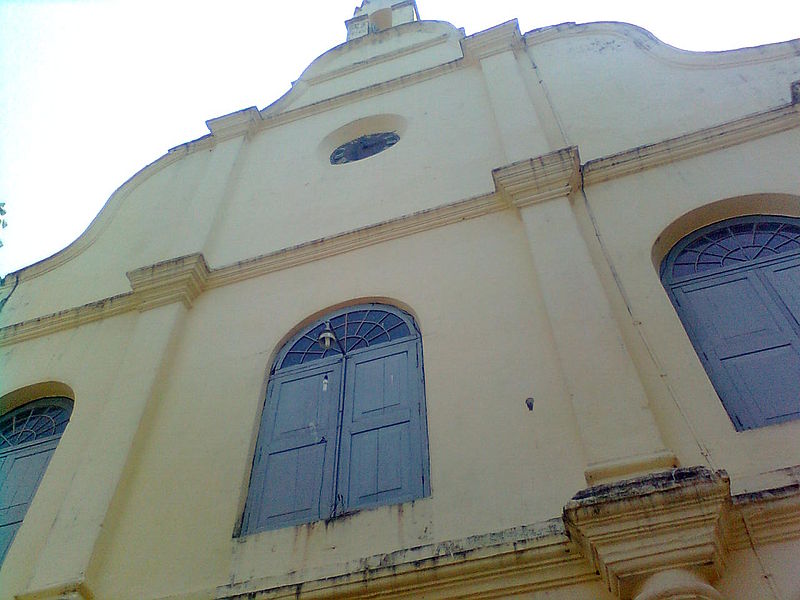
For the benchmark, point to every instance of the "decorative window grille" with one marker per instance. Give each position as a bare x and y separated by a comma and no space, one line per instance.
29,435
736,288
342,428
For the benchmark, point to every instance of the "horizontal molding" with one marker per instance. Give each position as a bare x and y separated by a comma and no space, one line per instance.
77,590
765,517
182,279
354,240
544,556
690,145
520,184
522,559
497,39
647,43
177,280
553,175
67,319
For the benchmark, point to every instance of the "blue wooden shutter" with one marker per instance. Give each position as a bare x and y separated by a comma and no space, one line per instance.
380,457
749,348
21,470
783,279
292,477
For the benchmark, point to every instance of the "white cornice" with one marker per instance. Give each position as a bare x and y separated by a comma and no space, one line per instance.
177,280
353,240
501,38
182,279
692,144
658,50
523,559
519,184
235,123
628,530
635,528
527,182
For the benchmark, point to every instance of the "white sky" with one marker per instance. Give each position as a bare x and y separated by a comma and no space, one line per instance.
93,90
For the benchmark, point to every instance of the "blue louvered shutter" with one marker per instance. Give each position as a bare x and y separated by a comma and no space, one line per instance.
21,470
783,279
749,348
292,476
381,445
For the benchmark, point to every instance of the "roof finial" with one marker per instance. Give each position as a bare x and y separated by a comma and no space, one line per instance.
376,15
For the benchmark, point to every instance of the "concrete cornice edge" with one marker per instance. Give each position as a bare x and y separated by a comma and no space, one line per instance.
632,529
500,38
553,175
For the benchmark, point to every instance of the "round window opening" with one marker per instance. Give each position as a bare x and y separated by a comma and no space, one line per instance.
364,147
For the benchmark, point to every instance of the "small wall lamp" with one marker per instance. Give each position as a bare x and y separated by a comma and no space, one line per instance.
326,337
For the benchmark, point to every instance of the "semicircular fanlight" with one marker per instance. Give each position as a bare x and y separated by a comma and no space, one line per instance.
43,418
354,329
733,243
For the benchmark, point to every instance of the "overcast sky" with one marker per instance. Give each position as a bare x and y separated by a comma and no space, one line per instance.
93,90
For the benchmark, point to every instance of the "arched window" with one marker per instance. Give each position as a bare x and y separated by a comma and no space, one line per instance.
736,287
29,435
343,425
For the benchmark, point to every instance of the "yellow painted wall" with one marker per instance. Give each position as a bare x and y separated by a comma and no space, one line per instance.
142,498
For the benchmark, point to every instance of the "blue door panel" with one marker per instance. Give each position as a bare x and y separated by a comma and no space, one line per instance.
381,427
380,462
292,483
381,383
21,470
747,341
784,278
343,428
292,476
7,533
770,379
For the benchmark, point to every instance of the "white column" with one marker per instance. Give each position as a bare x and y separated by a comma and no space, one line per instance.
618,430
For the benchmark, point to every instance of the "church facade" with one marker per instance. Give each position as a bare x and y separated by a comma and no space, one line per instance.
489,315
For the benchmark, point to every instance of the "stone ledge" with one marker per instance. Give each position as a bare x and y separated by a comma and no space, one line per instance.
632,529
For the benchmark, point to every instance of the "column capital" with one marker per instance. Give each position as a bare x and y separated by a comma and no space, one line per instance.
553,175
176,280
633,529
497,39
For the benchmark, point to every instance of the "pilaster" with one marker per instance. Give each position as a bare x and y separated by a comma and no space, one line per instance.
62,575
519,126
617,428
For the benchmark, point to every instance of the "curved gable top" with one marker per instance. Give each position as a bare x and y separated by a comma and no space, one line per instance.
371,60
647,42
192,180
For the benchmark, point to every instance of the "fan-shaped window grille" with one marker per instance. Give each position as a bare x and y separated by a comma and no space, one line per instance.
28,437
733,244
343,428
353,329
42,418
736,287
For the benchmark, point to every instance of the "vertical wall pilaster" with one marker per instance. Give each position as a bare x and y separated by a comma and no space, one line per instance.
165,292
522,133
618,430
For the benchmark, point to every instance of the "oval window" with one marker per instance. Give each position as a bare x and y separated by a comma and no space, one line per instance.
364,147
